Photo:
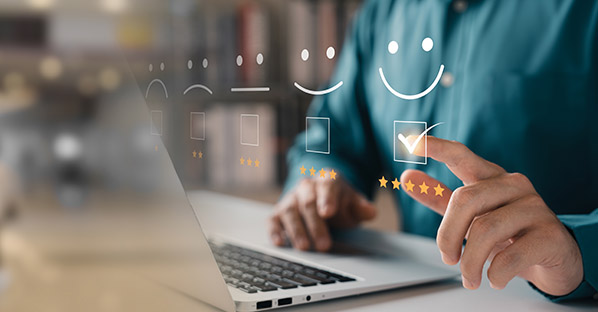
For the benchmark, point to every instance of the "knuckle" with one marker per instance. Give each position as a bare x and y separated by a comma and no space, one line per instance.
519,179
463,195
286,209
505,259
483,226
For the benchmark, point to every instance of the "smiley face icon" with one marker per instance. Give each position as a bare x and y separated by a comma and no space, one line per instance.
393,47
330,53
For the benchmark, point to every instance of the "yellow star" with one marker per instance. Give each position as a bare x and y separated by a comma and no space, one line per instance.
409,186
396,184
194,154
249,162
302,170
383,182
200,154
423,188
256,163
322,173
242,161
332,174
439,190
312,172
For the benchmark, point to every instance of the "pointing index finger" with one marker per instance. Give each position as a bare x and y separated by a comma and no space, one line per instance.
464,163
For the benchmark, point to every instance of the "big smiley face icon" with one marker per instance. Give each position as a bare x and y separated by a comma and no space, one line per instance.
393,47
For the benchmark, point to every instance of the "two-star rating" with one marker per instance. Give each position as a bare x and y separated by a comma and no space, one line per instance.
250,163
197,154
409,186
321,173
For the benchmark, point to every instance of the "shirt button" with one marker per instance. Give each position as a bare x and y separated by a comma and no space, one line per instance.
447,79
460,6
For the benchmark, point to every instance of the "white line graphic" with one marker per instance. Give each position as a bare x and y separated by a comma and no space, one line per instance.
414,96
191,128
315,92
256,89
197,86
243,116
327,119
156,81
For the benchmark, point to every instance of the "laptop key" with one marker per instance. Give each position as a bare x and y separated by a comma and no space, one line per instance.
301,281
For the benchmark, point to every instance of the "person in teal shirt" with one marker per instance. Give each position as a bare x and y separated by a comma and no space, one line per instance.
515,85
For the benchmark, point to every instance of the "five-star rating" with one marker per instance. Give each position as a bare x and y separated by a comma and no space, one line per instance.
410,187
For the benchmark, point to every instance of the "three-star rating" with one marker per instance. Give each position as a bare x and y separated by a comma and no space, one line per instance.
197,154
410,186
249,163
318,173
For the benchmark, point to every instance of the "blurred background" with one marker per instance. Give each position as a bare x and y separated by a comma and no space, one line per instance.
97,96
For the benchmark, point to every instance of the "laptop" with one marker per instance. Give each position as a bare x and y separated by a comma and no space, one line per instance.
240,270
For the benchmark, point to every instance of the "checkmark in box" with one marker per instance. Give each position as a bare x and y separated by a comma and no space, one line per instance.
403,150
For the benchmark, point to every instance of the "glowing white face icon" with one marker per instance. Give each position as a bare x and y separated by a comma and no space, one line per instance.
158,81
330,53
259,59
204,64
393,48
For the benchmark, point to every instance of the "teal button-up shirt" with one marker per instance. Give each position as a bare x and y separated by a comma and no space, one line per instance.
519,88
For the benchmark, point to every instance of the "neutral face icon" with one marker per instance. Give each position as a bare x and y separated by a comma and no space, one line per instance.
259,59
393,48
330,53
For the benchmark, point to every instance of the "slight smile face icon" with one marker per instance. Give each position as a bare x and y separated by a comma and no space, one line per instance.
204,64
393,47
330,52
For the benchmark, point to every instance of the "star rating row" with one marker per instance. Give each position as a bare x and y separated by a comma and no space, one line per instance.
250,163
409,186
321,173
197,154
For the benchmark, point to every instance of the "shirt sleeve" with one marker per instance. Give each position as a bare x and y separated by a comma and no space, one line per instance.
352,150
584,228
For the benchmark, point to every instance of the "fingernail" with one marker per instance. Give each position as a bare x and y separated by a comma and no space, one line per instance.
302,243
323,209
466,283
276,239
323,243
494,286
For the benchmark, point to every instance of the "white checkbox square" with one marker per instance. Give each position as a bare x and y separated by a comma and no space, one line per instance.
197,126
156,122
401,151
250,129
318,140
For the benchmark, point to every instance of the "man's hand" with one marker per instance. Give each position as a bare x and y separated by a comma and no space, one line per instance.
304,214
504,220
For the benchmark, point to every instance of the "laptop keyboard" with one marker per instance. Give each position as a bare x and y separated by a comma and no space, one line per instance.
252,271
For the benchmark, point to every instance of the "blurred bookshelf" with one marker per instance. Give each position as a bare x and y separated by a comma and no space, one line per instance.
279,31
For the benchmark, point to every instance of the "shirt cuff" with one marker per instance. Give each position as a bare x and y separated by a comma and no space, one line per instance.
584,290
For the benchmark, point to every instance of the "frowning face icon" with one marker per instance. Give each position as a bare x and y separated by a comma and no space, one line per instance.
393,47
204,64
